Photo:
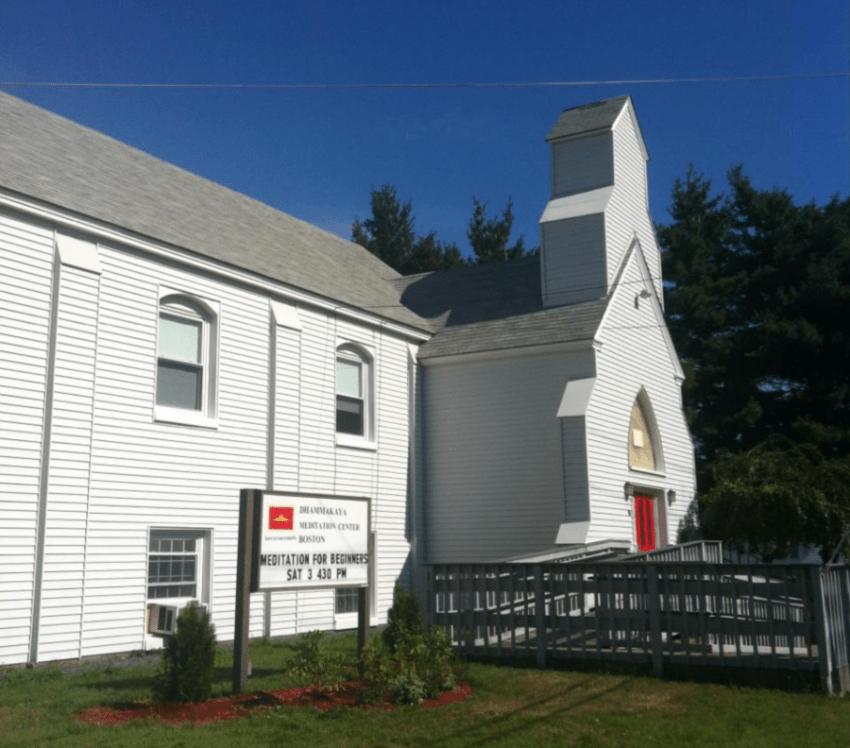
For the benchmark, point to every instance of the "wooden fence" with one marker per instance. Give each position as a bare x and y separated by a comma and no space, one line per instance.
788,617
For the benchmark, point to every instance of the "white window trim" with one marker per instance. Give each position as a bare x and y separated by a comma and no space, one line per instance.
353,351
349,620
205,538
177,304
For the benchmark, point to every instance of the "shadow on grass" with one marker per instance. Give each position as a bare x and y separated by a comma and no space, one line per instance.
796,681
527,713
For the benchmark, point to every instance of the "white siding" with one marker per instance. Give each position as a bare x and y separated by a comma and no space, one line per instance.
149,474
493,454
66,513
633,355
573,259
26,263
582,164
627,213
115,472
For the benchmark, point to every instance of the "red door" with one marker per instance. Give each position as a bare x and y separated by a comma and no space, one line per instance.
645,522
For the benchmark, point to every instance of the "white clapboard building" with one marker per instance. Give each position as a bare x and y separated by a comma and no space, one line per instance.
165,342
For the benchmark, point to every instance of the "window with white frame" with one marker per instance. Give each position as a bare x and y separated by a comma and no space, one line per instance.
345,600
353,392
175,564
185,371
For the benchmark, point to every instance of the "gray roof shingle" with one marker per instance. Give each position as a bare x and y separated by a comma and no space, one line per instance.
600,115
494,307
472,309
59,162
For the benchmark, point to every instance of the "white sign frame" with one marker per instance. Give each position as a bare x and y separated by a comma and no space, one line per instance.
262,531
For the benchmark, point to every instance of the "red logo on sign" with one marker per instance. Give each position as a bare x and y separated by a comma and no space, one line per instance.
281,518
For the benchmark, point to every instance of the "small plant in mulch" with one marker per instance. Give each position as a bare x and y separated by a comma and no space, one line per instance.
234,707
186,668
317,666
403,666
407,665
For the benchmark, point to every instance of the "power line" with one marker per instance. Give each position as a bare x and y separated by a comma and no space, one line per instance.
338,85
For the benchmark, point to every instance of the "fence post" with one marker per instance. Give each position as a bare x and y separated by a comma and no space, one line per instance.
539,616
822,629
654,605
844,665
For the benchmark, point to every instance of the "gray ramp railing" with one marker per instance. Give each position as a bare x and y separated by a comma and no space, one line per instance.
787,617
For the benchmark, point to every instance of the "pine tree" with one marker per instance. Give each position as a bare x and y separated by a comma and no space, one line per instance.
490,237
758,294
389,233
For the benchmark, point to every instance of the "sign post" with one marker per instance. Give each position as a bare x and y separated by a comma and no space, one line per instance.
299,541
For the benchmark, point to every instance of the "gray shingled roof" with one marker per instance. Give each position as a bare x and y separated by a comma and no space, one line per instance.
599,115
494,307
59,162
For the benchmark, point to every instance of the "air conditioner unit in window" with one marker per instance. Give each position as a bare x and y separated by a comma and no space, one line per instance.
162,619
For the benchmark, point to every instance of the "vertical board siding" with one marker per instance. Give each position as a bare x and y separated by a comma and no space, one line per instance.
26,266
634,355
493,455
576,486
574,259
582,164
66,513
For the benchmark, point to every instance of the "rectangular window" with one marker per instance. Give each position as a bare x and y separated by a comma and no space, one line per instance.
174,564
350,406
180,368
345,600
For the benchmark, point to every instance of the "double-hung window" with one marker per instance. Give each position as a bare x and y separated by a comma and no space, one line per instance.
353,393
185,363
180,366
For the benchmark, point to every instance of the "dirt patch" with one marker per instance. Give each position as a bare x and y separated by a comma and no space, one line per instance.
233,707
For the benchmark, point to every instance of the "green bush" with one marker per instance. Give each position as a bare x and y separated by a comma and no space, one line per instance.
438,666
186,668
404,619
422,666
407,688
315,665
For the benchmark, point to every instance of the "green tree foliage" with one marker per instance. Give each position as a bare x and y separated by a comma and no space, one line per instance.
389,233
758,298
758,295
776,497
490,237
186,669
404,619
316,665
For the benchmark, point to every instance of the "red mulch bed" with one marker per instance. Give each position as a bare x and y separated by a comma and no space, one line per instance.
231,707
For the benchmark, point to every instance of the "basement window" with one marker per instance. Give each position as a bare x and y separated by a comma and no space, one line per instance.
175,565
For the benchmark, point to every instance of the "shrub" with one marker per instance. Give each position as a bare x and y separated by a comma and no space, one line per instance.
407,688
186,668
404,619
422,666
315,665
377,670
438,664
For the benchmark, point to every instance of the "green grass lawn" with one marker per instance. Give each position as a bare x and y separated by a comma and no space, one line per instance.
511,706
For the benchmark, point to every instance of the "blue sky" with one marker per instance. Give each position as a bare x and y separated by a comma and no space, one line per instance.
316,154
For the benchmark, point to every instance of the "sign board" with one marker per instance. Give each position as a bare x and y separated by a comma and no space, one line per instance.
309,541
